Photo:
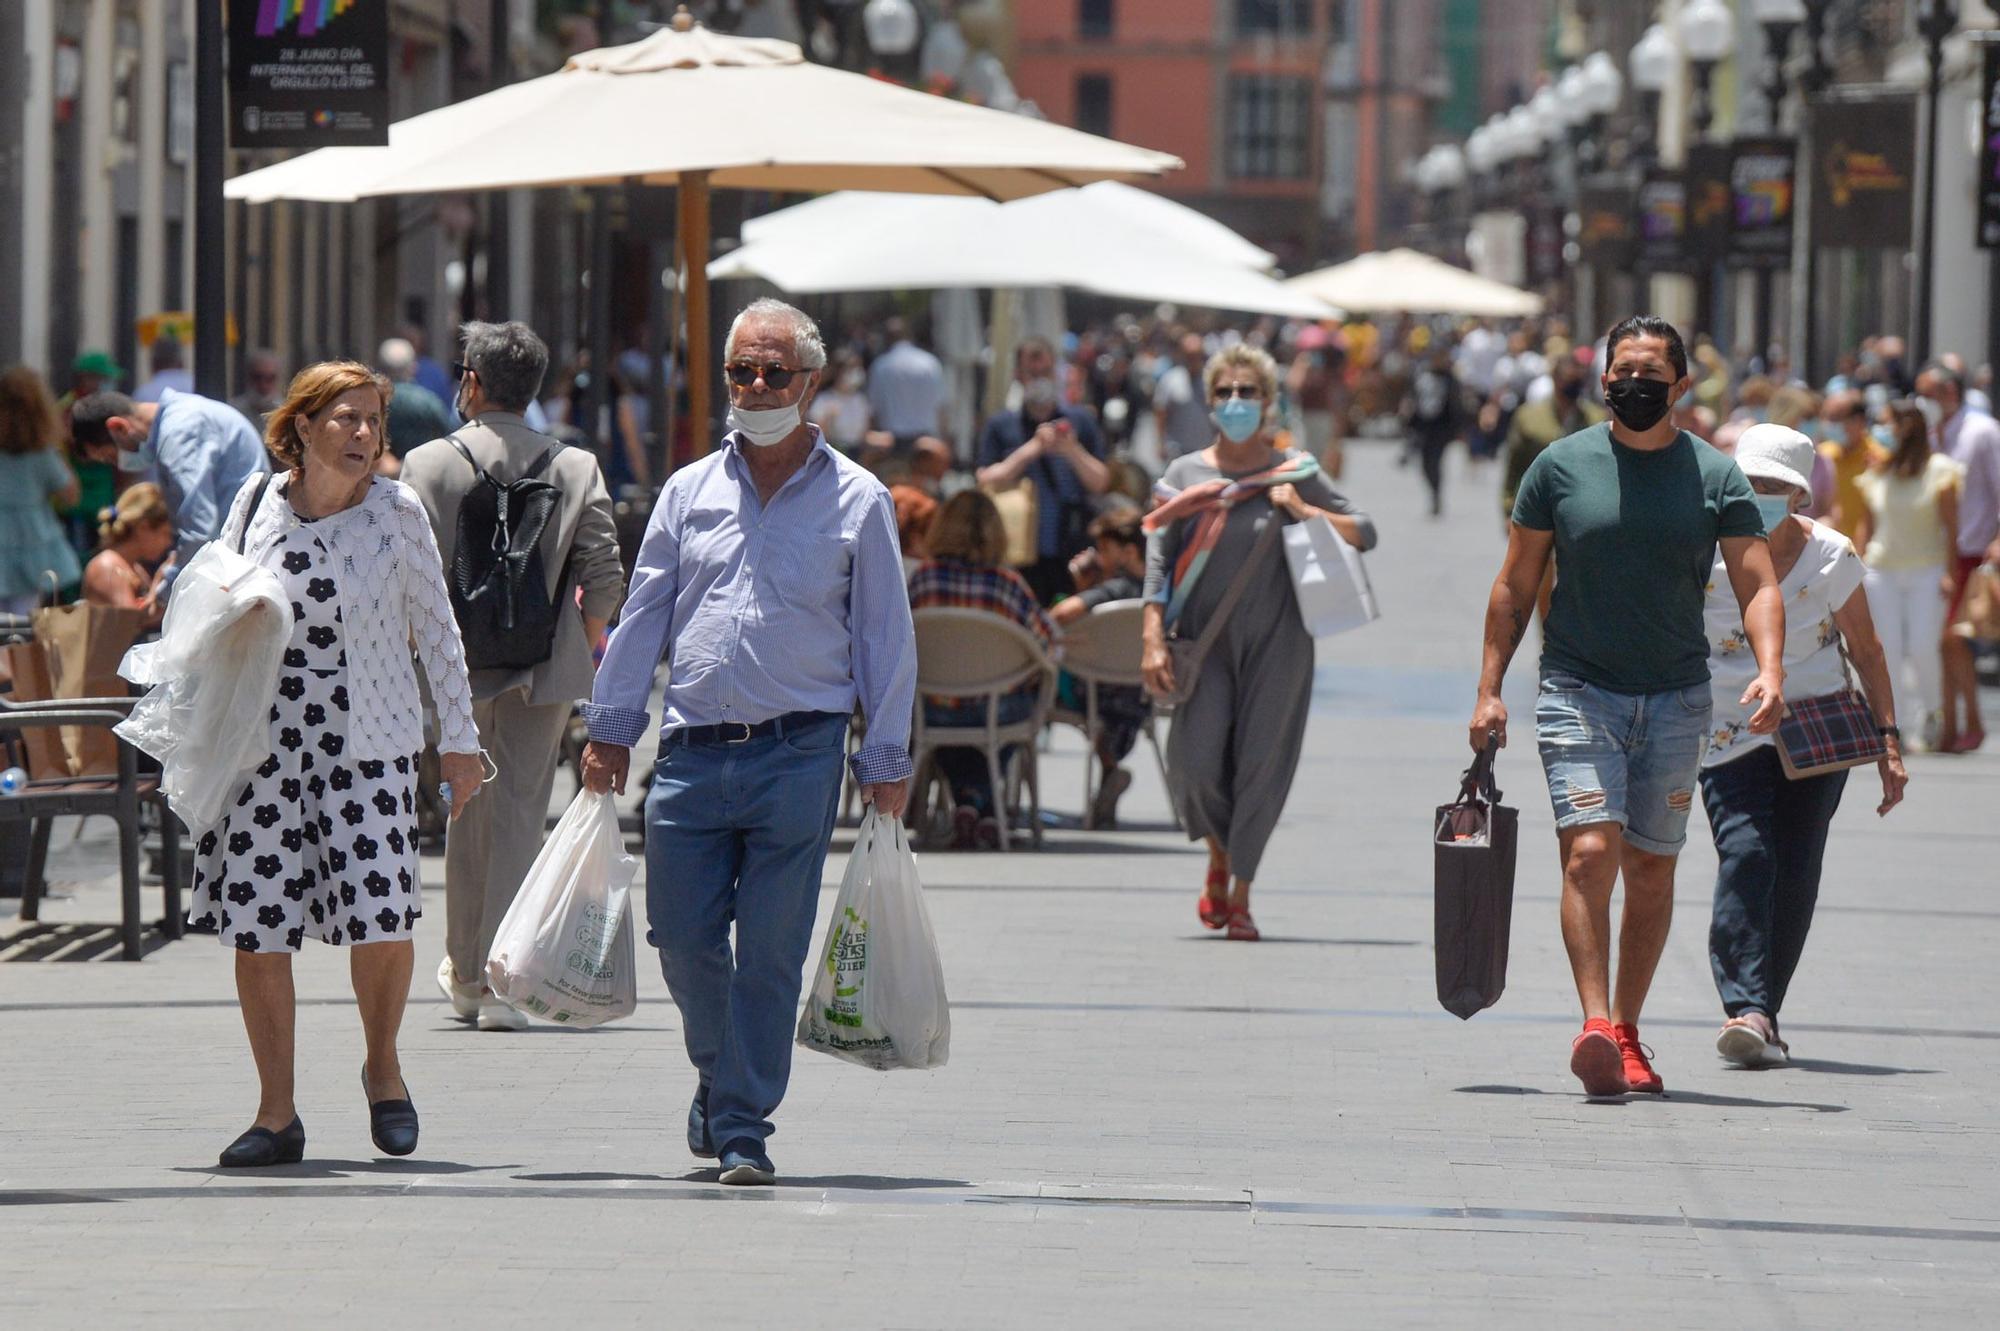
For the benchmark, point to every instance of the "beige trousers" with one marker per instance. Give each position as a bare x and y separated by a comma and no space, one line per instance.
489,850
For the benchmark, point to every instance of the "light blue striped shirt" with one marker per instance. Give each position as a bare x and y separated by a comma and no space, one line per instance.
204,450
760,610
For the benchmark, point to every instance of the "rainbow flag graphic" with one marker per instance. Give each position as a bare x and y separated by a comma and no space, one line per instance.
309,15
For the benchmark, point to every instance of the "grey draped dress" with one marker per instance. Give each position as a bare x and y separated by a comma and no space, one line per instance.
1235,743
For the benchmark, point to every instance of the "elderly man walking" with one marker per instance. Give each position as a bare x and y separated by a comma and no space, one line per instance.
521,709
771,582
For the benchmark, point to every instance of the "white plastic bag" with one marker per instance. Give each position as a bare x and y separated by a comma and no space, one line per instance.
1327,575
878,993
564,951
213,674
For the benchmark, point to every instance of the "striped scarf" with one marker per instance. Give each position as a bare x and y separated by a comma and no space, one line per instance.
1207,505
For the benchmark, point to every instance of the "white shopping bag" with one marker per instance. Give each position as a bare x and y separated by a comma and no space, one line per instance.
878,992
564,951
1328,578
216,664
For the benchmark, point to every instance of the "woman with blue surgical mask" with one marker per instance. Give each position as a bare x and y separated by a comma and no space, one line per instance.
1236,736
1770,831
1908,534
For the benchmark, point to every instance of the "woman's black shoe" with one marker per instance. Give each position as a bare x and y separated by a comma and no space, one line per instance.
261,1146
392,1123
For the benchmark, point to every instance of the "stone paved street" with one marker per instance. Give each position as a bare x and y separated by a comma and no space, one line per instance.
1141,1125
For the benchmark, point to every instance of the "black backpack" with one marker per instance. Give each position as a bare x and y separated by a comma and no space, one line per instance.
499,587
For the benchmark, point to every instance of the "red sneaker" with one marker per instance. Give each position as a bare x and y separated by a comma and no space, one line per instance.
1639,1074
1595,1059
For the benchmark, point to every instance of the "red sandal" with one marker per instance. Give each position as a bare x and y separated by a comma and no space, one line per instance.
1242,929
1213,907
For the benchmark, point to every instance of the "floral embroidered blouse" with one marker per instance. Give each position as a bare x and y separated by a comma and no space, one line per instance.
1827,573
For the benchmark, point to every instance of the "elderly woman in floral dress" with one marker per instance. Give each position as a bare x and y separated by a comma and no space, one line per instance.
321,842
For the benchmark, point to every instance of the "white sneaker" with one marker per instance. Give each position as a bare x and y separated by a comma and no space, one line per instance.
464,997
1744,1043
495,1015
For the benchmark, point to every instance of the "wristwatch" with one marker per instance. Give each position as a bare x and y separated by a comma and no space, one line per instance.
1890,732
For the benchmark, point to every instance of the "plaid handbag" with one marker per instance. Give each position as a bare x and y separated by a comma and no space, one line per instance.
1831,732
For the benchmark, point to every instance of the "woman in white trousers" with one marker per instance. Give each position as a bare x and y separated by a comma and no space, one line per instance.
1908,540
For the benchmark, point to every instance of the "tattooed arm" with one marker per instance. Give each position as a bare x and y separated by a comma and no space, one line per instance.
1508,611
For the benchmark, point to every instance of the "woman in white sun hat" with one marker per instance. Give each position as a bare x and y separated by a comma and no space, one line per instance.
1770,832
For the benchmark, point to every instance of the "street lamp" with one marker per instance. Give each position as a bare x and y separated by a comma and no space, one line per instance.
1569,92
1936,19
1818,72
1651,64
1450,168
1707,31
892,26
1598,86
1523,138
1780,19
1602,84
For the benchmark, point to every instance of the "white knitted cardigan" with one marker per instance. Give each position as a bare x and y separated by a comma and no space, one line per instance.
394,608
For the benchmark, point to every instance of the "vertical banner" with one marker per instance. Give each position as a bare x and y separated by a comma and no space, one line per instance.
1864,158
1663,220
1989,150
1545,242
1708,204
308,73
1760,189
1497,246
1605,233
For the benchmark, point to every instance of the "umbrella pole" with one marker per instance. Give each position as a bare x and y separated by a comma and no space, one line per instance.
694,233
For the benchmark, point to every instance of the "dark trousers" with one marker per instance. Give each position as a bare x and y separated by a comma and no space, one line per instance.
1048,578
1430,448
1770,834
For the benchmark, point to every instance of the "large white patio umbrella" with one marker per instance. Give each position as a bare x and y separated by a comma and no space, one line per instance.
1096,239
697,109
1406,282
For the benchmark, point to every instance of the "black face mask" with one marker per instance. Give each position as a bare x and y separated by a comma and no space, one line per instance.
1639,404
1569,389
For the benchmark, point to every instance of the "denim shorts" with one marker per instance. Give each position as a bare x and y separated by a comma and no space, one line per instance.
1622,758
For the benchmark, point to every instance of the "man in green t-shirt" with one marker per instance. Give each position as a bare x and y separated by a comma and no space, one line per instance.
1632,510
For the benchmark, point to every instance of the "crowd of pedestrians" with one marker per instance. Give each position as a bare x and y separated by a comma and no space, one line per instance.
1699,546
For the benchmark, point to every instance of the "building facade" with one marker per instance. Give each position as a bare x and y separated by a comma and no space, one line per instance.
96,143
1300,120
1232,87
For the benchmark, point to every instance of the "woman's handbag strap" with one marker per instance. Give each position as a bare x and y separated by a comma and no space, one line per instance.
1237,586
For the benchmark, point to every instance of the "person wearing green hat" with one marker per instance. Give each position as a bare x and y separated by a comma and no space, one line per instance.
97,482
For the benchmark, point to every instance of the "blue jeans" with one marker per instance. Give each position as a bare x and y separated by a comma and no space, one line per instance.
1770,834
739,833
1625,758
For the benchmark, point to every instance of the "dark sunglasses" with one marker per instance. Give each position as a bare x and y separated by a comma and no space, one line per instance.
459,369
1223,392
776,377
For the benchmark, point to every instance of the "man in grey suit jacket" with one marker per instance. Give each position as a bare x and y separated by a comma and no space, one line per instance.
521,714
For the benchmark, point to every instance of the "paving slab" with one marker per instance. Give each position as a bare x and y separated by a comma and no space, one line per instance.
1141,1124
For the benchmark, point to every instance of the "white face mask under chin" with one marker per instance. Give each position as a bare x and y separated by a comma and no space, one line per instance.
765,427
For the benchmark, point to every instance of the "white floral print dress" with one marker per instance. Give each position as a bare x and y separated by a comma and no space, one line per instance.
320,843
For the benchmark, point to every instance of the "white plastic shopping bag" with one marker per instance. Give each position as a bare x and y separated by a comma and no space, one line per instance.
564,952
1327,575
878,992
212,676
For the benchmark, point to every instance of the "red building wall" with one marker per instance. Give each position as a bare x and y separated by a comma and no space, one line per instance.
1169,62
